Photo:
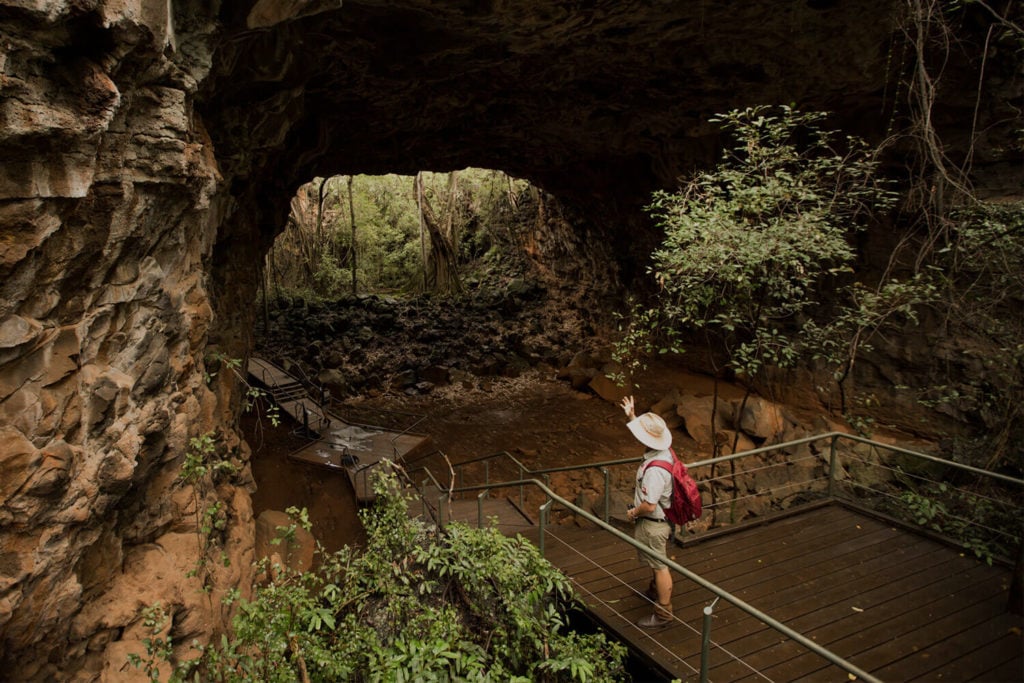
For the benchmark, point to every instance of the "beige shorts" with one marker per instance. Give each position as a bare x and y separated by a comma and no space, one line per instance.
653,535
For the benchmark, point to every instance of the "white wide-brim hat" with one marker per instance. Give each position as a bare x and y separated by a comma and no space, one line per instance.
651,431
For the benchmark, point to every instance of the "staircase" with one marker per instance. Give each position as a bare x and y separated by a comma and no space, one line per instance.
291,395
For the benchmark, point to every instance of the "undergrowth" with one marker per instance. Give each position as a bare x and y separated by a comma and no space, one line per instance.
416,604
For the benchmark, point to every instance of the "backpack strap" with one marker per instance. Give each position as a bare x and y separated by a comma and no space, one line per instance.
662,464
659,463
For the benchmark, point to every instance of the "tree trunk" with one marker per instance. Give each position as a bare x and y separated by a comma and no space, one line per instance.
423,238
352,222
442,263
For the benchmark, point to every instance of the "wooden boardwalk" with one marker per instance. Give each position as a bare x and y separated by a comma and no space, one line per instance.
510,518
339,445
357,449
896,604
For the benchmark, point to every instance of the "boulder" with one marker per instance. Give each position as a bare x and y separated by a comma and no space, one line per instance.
666,406
437,374
762,418
725,438
601,385
696,414
332,377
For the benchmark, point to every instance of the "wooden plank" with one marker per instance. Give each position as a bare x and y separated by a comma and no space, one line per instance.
970,630
725,550
638,606
746,636
719,554
780,546
625,555
838,591
1011,670
852,635
799,561
692,598
766,575
879,605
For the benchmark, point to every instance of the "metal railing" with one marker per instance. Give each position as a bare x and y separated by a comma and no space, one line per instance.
292,397
830,486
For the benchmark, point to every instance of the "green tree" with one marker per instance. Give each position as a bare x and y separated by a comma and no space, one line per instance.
750,246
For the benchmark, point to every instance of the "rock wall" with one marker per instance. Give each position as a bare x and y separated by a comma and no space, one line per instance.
106,233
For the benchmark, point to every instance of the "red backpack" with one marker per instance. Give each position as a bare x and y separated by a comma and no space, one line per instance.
686,504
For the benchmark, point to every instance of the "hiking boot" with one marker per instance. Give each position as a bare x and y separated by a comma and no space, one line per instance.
654,621
662,616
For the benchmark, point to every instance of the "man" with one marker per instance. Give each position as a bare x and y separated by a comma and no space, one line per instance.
651,496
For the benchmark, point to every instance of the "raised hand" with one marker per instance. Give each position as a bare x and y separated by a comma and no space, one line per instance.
628,406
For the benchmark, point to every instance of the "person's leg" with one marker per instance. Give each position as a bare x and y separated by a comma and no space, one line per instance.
656,537
663,584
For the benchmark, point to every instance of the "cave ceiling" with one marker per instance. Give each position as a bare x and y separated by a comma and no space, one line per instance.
597,102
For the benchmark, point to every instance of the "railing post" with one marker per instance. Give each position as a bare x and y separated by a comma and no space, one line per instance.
705,642
423,498
607,493
487,472
832,461
480,509
522,476
543,523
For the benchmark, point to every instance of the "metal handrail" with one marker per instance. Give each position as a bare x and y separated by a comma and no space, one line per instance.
833,437
907,451
499,454
696,578
762,449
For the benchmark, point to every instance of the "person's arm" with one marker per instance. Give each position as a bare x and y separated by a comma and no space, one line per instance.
655,485
641,510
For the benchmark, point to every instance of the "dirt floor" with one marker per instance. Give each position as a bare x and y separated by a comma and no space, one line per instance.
537,418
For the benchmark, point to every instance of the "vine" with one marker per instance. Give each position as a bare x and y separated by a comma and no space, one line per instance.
973,248
202,469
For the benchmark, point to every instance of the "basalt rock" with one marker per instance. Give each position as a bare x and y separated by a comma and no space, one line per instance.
150,152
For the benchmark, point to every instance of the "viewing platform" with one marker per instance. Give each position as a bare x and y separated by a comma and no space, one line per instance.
832,586
353,449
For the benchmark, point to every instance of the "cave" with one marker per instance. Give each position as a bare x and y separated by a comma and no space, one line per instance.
150,150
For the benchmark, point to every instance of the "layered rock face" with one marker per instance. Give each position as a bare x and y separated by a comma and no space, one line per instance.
149,152
106,227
